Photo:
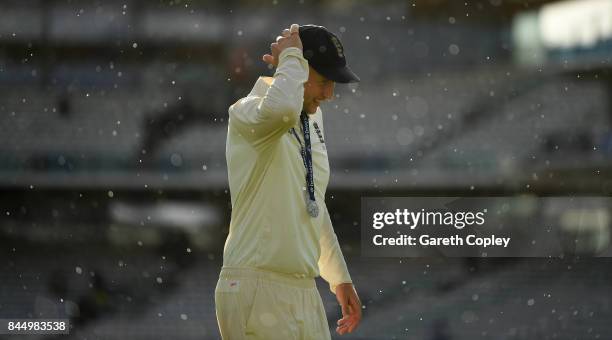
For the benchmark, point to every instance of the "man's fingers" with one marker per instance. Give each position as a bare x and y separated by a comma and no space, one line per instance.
351,318
341,330
351,311
344,322
347,322
268,59
295,28
286,32
346,326
274,48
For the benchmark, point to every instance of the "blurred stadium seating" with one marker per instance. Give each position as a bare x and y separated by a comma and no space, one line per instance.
113,118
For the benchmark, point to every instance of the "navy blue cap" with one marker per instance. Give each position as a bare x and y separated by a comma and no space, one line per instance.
325,54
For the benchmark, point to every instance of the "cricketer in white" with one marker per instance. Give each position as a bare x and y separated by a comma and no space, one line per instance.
271,234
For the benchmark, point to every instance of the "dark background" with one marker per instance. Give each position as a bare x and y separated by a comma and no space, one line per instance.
113,188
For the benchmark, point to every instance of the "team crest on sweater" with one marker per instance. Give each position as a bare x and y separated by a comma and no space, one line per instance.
318,132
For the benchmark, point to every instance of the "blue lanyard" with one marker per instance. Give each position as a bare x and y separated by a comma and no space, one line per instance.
306,153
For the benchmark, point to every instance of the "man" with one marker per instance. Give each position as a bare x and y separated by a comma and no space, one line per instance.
281,236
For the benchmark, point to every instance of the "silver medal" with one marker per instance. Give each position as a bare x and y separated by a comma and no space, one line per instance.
313,208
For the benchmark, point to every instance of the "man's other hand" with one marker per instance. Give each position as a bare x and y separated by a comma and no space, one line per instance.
288,38
351,308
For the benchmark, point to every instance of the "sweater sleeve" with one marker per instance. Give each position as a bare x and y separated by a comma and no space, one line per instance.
262,120
332,266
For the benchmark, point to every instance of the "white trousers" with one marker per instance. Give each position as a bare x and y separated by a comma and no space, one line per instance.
258,304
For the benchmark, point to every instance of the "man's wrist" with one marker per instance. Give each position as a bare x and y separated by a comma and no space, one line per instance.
341,284
296,51
292,52
292,63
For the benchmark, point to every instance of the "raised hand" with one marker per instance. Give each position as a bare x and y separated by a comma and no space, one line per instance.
288,38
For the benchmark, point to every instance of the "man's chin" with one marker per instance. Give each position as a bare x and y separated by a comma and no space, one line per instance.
312,109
